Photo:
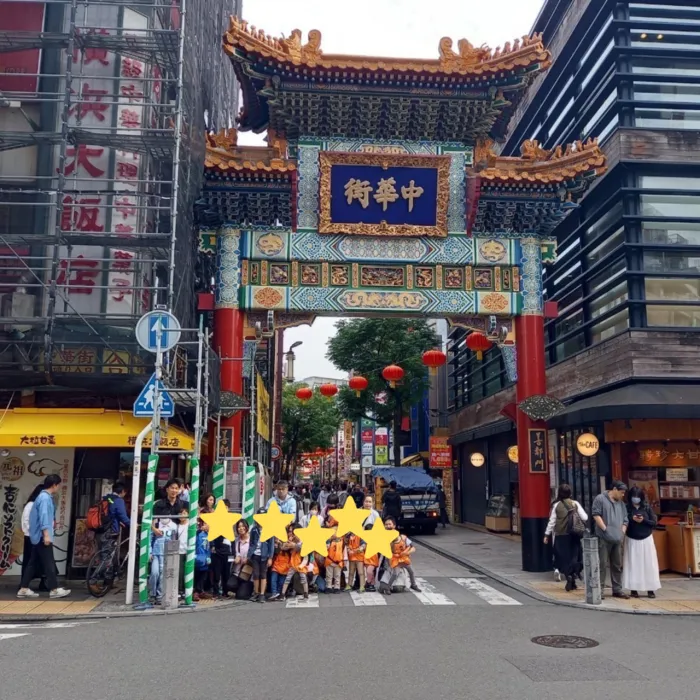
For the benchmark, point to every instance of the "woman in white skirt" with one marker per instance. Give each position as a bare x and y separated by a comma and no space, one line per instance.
640,568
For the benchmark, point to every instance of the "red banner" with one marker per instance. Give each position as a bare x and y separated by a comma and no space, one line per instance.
18,69
440,453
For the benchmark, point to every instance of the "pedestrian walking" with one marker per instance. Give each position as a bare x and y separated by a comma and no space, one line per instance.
26,529
392,503
442,502
640,568
41,534
610,515
567,545
323,497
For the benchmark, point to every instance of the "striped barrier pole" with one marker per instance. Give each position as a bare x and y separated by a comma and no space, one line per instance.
146,520
249,486
192,531
219,482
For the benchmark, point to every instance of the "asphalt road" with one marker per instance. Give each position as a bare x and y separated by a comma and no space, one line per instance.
454,641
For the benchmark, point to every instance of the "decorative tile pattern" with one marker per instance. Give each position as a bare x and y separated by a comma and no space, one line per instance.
494,251
340,275
388,249
496,303
457,207
509,354
249,347
531,256
228,257
308,181
270,245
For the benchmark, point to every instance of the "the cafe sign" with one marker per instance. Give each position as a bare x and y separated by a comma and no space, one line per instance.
587,444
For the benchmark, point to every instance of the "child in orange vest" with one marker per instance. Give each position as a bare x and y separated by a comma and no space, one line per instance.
371,564
298,566
356,558
334,562
402,548
281,564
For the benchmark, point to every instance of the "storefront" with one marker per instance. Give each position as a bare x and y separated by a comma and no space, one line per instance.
90,449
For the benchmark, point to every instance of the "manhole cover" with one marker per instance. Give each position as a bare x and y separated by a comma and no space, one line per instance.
564,641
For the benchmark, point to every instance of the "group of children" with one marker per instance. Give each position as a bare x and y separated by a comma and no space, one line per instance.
246,565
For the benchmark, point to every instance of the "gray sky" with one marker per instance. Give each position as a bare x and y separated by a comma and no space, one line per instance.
402,28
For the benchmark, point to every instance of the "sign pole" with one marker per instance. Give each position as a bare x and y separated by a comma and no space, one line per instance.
249,489
146,521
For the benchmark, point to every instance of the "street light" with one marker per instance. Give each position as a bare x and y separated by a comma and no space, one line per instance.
289,359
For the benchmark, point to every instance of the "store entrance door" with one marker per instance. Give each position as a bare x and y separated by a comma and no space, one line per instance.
474,496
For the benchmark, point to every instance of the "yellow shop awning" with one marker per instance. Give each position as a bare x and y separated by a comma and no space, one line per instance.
82,427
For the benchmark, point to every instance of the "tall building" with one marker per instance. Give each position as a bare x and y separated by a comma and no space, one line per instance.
622,345
104,107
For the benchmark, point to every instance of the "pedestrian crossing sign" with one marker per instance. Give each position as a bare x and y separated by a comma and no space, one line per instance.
144,405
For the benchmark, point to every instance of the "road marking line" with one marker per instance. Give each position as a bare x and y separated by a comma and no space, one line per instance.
11,636
45,625
299,602
429,595
367,599
486,593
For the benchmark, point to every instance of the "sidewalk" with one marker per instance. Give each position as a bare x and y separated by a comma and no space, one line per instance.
80,604
498,556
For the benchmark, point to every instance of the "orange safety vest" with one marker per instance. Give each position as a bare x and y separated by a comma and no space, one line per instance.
372,561
335,553
398,548
282,562
297,562
314,563
354,542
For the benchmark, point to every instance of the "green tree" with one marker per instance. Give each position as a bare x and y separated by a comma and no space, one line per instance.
366,347
308,426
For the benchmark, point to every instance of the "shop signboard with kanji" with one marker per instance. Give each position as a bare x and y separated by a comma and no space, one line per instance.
19,69
537,443
440,453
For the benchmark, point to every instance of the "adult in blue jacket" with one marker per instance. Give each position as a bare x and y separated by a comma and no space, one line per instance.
117,507
41,533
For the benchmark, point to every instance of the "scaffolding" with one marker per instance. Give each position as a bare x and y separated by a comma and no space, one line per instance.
101,165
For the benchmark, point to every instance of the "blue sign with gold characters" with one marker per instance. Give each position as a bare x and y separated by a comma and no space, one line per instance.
384,194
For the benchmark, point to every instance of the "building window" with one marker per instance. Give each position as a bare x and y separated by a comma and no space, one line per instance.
611,326
653,39
608,128
604,277
667,92
671,233
655,182
590,74
609,100
675,289
667,118
668,261
609,300
672,14
615,240
665,66
609,218
673,316
670,206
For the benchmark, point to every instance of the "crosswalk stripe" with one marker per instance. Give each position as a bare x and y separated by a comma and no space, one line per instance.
485,592
429,594
299,602
367,599
12,636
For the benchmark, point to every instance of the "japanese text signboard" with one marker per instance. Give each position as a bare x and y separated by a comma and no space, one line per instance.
537,443
380,194
440,453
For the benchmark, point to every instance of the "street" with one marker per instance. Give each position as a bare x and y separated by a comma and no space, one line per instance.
449,641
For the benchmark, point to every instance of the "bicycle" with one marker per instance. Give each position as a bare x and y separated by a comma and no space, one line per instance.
106,565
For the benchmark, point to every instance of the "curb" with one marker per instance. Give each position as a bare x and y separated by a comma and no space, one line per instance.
536,595
119,614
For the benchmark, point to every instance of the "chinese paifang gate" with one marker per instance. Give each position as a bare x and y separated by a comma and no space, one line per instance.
380,192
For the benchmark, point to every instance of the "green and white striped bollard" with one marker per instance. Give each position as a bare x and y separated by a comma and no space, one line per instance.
249,487
219,481
192,531
146,520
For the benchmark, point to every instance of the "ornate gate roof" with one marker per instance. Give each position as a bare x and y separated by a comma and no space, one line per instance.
296,89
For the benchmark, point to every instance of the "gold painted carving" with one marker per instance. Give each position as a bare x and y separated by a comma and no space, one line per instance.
223,153
327,159
383,300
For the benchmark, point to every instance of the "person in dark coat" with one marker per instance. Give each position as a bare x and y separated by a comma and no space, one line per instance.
391,502
442,501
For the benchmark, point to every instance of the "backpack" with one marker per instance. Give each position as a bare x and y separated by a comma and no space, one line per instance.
98,518
574,524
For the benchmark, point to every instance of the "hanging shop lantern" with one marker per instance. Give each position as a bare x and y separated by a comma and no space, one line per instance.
304,393
358,384
328,390
393,374
434,359
478,343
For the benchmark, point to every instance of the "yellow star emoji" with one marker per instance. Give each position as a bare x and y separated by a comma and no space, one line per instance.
379,539
273,523
220,522
350,518
313,538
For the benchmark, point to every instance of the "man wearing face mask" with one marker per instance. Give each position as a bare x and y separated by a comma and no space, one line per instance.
610,515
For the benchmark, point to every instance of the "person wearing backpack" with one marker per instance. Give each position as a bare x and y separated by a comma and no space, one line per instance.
567,523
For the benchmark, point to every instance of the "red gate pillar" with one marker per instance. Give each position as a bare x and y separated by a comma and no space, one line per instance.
229,326
532,381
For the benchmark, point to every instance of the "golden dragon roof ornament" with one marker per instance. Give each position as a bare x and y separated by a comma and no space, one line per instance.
468,60
224,153
537,164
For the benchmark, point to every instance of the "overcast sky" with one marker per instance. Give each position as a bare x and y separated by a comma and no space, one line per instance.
402,28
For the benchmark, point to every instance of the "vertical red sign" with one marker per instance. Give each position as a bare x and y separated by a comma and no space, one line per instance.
18,69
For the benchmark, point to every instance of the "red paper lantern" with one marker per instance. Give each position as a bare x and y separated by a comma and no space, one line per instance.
393,374
478,343
304,394
358,384
328,390
434,359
